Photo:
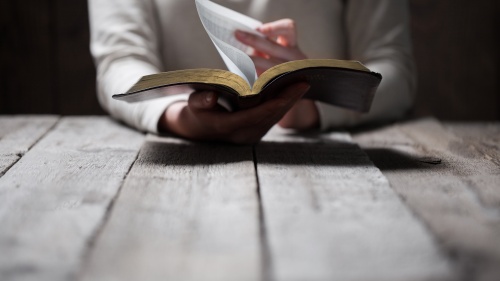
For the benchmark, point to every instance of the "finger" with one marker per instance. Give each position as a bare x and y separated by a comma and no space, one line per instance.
303,115
263,64
276,108
284,28
266,114
289,97
222,124
268,47
202,100
260,54
271,111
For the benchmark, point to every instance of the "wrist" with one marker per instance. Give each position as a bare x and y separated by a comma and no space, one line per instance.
171,117
302,116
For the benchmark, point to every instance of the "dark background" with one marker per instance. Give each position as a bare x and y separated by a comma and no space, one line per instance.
45,64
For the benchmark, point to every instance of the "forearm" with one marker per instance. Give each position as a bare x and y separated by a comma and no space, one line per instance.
118,78
124,44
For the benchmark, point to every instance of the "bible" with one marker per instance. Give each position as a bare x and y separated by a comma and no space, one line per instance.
348,84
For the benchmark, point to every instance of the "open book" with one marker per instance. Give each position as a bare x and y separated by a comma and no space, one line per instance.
343,83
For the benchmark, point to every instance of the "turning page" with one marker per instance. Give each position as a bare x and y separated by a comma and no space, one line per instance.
220,24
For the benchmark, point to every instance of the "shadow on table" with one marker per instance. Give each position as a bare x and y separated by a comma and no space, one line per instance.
387,159
317,151
172,151
333,154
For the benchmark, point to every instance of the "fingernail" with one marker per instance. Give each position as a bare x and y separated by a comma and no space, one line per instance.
262,29
209,97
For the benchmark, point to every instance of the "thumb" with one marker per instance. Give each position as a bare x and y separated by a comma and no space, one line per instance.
202,100
296,91
290,96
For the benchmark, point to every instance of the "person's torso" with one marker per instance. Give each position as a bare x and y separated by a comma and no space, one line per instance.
185,44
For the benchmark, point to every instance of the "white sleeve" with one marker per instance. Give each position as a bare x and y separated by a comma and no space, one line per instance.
125,47
378,35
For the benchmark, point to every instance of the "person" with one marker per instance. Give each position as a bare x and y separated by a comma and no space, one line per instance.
133,38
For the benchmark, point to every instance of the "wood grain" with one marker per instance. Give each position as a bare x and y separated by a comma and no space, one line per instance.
18,134
449,185
477,146
54,200
329,214
187,211
484,137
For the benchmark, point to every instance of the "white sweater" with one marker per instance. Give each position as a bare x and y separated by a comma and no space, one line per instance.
132,38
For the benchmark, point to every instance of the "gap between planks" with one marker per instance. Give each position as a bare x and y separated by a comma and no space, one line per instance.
22,133
266,258
456,199
55,197
330,214
187,211
100,228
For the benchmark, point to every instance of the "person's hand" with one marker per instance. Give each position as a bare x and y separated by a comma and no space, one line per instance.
201,118
278,46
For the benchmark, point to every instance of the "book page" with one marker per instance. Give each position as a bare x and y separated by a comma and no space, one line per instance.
220,24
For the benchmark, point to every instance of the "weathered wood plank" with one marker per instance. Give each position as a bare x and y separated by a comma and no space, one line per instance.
477,147
187,211
444,194
54,200
484,137
331,215
18,134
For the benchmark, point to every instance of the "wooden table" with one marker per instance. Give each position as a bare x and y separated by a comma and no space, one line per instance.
85,198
